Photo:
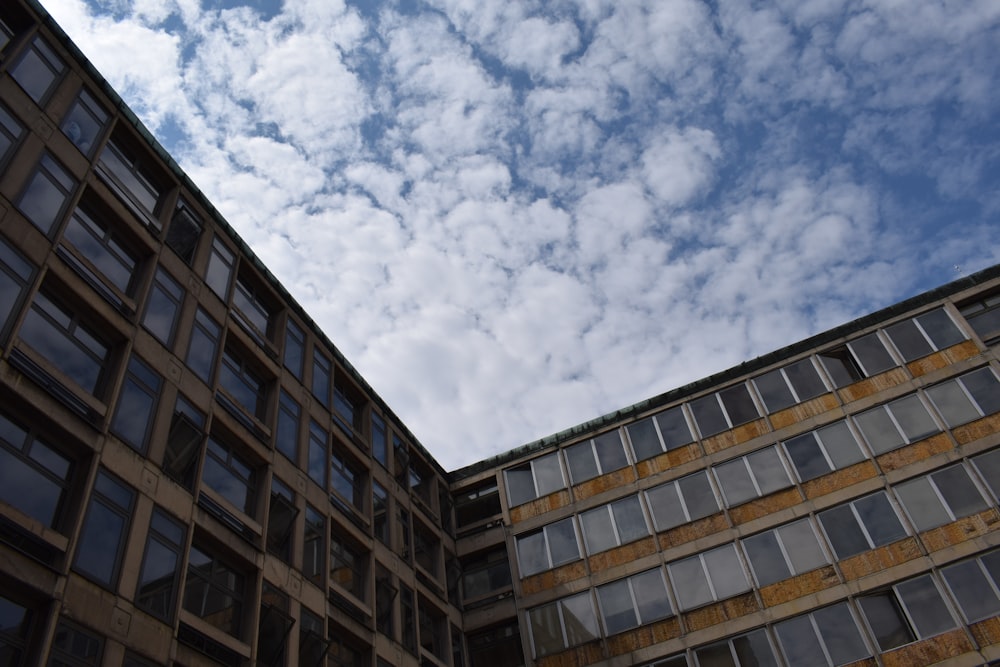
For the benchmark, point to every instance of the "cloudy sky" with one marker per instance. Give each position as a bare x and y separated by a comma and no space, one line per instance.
516,216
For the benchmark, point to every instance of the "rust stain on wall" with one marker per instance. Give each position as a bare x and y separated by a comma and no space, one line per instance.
962,530
667,460
978,429
726,439
803,584
778,500
918,451
839,479
538,506
623,554
560,575
873,385
599,484
879,559
719,612
929,651
946,357
797,413
693,530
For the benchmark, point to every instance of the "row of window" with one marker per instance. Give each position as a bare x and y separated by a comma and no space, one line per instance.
839,634
730,407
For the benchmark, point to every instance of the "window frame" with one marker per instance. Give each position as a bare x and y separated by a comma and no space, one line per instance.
532,466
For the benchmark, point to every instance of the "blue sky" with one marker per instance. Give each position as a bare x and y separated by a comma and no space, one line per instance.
513,217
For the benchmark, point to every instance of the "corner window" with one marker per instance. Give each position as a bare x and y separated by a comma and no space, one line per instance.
47,194
220,269
940,498
784,552
828,636
683,500
860,525
160,574
895,424
752,476
553,545
34,477
215,591
635,601
10,133
535,479
129,177
136,409
204,345
707,577
39,70
295,348
184,232
101,547
908,611
618,523
15,276
967,398
596,456
975,583
163,307
230,475
85,123
562,624
824,450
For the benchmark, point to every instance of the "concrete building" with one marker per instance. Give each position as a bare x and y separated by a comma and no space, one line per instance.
192,474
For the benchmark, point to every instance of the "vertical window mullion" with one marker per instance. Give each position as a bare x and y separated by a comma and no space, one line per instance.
864,528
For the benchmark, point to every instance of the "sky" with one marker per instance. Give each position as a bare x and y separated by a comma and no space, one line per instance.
516,216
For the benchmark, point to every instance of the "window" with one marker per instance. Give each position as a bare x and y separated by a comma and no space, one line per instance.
534,479
85,122
321,374
6,34
295,348
385,599
243,383
347,481
281,514
347,409
95,250
750,650
618,523
15,624
824,450
48,192
344,652
184,232
204,344
940,498
102,538
380,513
908,611
286,436
128,176
967,398
707,577
314,540
312,646
727,409
783,552
252,310
498,645
214,591
137,405
34,477
562,624
637,600
158,580
273,626
680,501
183,443
59,335
596,456
229,475
74,647
38,70
15,275
553,545
827,636
896,424
408,617
380,440
317,462
433,630
422,483
404,539
752,476
163,306
10,133
485,573
860,525
427,549
477,504
784,387
988,465
220,268
348,566
859,359
975,583
662,432
924,334
984,317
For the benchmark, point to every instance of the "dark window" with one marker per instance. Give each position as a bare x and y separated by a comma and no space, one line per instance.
680,501
821,451
228,474
286,436
105,529
500,645
709,416
34,477
975,583
408,617
203,346
739,405
427,549
597,456
273,627
939,498
347,480
750,650
48,192
988,465
183,443
403,536
163,307
312,645
984,317
895,424
38,70
787,386
637,600
380,441
347,409
322,368
385,600
73,647
281,514
486,573
433,630
244,383
784,552
534,479
159,578
313,558
477,504
859,359
295,348
252,310
220,268
10,133
15,275
214,591
85,122
345,651
137,405
422,483
15,624
317,454
380,513
184,232
348,566
129,177
860,525
911,610
827,636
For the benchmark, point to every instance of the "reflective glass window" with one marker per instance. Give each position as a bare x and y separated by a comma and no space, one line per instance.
137,404
101,545
85,122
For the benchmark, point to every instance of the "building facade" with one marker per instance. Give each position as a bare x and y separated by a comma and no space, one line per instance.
192,474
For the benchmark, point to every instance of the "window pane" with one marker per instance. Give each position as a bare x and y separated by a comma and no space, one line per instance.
666,506
985,388
922,504
909,340
942,331
766,558
674,428
43,199
101,538
735,481
988,465
616,607
739,405
597,530
562,541
726,572
38,70
840,634
650,591
807,457
840,365
913,418
610,451
137,404
698,495
879,431
774,391
629,519
84,122
954,406
958,490
57,335
805,379
840,444
645,441
879,518
690,583
801,545
531,554
929,613
163,306
581,462
872,354
768,470
578,615
548,474
846,536
754,649
973,590
546,631
708,415
799,642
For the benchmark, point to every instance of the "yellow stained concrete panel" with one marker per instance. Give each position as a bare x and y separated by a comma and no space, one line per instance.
986,632
550,578
647,635
623,554
962,530
802,411
586,654
799,586
929,651
880,559
978,429
720,612
933,362
839,479
742,433
873,385
668,460
769,504
693,531
600,484
918,451
539,506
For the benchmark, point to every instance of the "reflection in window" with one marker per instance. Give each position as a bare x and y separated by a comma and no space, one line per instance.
183,443
84,122
380,513
163,307
752,476
203,346
46,195
322,368
827,636
380,440
230,475
967,398
214,591
252,310
346,410
783,552
911,610
662,432
637,600
160,574
34,477
707,577
128,176
348,566
347,480
317,463
563,624
220,268
281,513
988,465
860,525
975,583
137,405
286,433
38,70
553,545
184,232
10,132
940,498
683,500
984,317
895,424
15,274
485,574
295,348
243,383
596,456
611,525
924,334
784,387
102,538
534,479
94,249
824,450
